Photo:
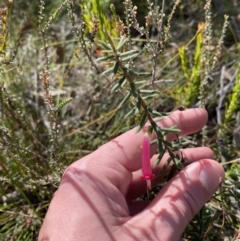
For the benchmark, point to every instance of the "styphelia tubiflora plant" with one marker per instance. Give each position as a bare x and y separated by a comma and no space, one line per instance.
37,142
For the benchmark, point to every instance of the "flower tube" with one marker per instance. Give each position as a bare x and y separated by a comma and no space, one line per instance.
146,164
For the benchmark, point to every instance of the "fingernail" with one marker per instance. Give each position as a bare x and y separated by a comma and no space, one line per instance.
209,178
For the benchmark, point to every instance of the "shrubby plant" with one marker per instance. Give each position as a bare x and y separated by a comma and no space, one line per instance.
76,78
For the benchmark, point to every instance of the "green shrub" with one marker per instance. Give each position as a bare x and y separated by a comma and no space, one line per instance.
72,78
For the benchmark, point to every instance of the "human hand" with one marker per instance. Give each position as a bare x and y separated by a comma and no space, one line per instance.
96,197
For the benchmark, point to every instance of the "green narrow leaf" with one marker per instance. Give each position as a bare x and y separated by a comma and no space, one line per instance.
165,166
155,113
140,82
134,90
144,74
122,41
142,122
105,45
130,72
111,56
176,159
55,14
171,154
157,130
118,84
138,105
173,129
126,98
115,67
133,73
172,172
133,51
107,71
148,91
157,119
130,57
130,113
154,142
148,97
161,151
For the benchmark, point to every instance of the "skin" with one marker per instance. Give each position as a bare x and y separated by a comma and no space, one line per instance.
96,197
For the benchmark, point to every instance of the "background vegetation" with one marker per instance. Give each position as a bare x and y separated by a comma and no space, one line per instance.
75,74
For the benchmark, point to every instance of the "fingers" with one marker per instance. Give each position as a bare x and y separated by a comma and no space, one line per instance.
116,160
169,213
126,149
138,186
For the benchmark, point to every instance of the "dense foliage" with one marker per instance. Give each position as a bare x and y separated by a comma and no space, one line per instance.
75,74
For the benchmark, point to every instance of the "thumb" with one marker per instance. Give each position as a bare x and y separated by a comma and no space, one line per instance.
180,200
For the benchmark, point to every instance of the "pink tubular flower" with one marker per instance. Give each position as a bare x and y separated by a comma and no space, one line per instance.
146,165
